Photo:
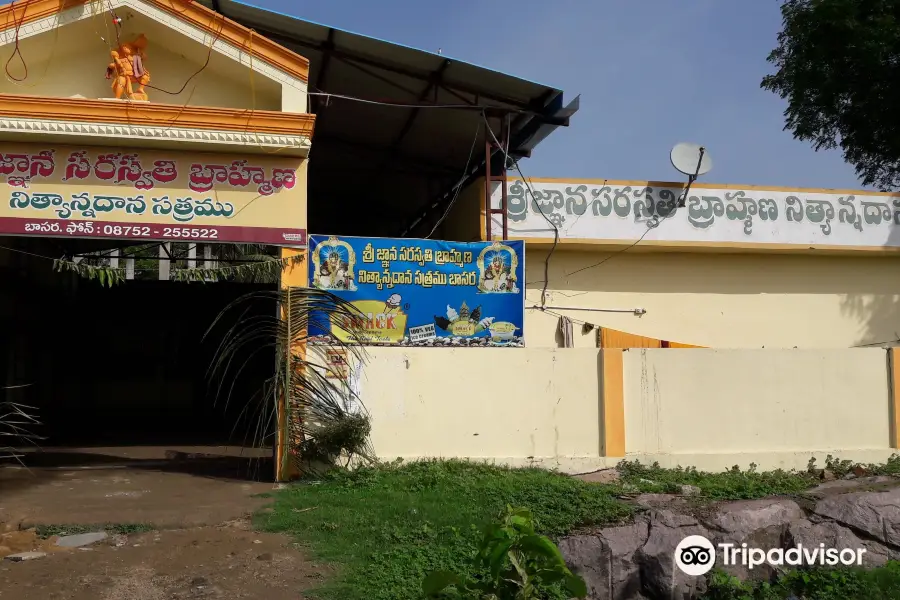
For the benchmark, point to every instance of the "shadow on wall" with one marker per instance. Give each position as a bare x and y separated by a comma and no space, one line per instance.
878,314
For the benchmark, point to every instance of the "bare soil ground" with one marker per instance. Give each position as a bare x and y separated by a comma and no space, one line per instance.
198,501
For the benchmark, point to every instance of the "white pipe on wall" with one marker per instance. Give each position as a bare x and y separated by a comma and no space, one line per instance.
636,311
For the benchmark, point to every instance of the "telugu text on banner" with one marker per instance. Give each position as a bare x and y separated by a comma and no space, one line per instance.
95,192
422,292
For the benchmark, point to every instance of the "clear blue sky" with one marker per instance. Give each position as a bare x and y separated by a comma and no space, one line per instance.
650,73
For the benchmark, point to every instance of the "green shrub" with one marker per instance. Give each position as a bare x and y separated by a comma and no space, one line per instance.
846,583
517,561
733,484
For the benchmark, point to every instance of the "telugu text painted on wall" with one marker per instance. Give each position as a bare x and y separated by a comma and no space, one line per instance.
624,212
128,169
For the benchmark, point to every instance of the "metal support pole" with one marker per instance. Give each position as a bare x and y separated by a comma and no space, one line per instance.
487,184
129,268
165,264
114,258
504,139
192,256
208,260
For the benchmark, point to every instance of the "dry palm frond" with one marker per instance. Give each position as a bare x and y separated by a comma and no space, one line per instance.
16,423
298,386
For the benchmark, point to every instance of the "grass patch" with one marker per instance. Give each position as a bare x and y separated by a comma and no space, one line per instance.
842,467
47,531
388,527
729,485
882,583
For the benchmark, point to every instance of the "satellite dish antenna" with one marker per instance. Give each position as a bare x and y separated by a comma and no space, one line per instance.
691,159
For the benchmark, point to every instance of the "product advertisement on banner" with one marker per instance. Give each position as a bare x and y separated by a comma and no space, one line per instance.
422,292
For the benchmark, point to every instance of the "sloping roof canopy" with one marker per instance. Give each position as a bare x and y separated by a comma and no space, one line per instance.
376,169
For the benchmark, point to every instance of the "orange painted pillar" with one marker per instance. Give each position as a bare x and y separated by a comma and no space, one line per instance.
612,403
294,275
893,363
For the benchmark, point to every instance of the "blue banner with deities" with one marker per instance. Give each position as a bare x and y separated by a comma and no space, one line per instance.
421,292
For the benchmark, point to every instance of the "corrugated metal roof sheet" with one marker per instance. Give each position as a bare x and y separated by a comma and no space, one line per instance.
405,159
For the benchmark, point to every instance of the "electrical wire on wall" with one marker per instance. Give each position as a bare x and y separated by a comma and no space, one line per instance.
18,21
129,106
201,69
407,105
652,224
555,239
253,100
459,184
476,107
654,221
506,162
17,51
117,22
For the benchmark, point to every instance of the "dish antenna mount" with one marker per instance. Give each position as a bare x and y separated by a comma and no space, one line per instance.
692,160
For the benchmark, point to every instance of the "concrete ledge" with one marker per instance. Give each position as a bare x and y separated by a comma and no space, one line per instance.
765,461
569,465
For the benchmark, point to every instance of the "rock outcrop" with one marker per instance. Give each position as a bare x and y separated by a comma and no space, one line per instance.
637,561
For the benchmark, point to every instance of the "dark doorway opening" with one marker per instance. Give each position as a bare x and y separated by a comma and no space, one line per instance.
128,366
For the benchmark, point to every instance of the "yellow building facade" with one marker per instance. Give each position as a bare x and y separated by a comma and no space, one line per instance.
151,120
735,267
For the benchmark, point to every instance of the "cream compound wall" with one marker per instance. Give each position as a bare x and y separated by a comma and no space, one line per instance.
773,407
720,300
512,406
706,408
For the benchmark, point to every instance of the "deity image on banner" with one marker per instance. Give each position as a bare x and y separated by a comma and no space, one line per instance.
334,261
497,266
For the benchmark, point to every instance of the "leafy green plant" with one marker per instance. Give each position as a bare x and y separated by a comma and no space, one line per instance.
243,263
733,484
836,68
107,276
344,435
841,468
518,561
